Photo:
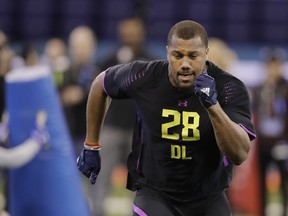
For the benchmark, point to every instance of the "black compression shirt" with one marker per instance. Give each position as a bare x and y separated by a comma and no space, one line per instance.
176,152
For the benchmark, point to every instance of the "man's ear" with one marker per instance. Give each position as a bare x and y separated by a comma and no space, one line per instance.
207,52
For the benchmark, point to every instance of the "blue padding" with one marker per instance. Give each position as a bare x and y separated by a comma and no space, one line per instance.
50,184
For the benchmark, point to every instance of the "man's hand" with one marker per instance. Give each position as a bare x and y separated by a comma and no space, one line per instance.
89,163
205,88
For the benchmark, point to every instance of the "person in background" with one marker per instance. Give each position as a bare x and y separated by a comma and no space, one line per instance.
77,81
131,34
13,157
193,126
8,61
117,130
221,54
55,55
29,53
5,57
270,106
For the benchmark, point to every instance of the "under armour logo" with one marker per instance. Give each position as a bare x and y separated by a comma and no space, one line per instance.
206,90
182,103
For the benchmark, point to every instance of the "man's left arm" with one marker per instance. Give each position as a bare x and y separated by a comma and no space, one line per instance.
231,138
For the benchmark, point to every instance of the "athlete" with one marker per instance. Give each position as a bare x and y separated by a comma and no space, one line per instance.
193,125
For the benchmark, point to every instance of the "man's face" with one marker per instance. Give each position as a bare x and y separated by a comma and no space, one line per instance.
187,59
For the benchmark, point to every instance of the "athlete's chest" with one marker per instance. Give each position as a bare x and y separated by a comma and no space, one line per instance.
173,115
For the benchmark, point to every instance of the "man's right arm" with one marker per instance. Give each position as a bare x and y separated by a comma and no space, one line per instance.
89,161
97,105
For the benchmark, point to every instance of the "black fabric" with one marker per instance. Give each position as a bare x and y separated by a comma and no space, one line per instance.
152,203
179,153
127,107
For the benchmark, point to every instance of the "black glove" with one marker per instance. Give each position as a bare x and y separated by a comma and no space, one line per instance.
89,163
205,88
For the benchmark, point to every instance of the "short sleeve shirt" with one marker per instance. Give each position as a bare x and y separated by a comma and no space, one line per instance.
179,153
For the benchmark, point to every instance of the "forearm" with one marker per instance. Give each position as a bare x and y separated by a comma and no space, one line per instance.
97,105
232,140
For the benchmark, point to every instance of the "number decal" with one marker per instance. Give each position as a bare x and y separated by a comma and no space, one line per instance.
190,126
187,126
176,121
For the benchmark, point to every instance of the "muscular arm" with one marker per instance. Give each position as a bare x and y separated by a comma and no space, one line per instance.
97,105
232,139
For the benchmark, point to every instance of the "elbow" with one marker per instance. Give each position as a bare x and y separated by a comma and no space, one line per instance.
238,160
241,156
240,153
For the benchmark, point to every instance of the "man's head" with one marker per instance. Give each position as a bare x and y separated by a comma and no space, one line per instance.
187,53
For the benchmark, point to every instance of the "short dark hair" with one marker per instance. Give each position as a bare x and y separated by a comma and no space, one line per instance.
188,29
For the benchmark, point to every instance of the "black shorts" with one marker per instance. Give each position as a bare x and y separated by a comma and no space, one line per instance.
150,203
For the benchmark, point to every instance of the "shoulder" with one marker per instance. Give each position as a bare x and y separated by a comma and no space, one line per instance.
222,77
230,89
151,65
143,64
136,73
150,73
147,69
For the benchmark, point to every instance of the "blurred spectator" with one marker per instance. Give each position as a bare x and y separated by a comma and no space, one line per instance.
8,61
27,57
131,33
221,54
116,136
30,54
270,103
77,81
3,70
55,55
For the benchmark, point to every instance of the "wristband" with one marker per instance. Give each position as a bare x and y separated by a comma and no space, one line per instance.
92,146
